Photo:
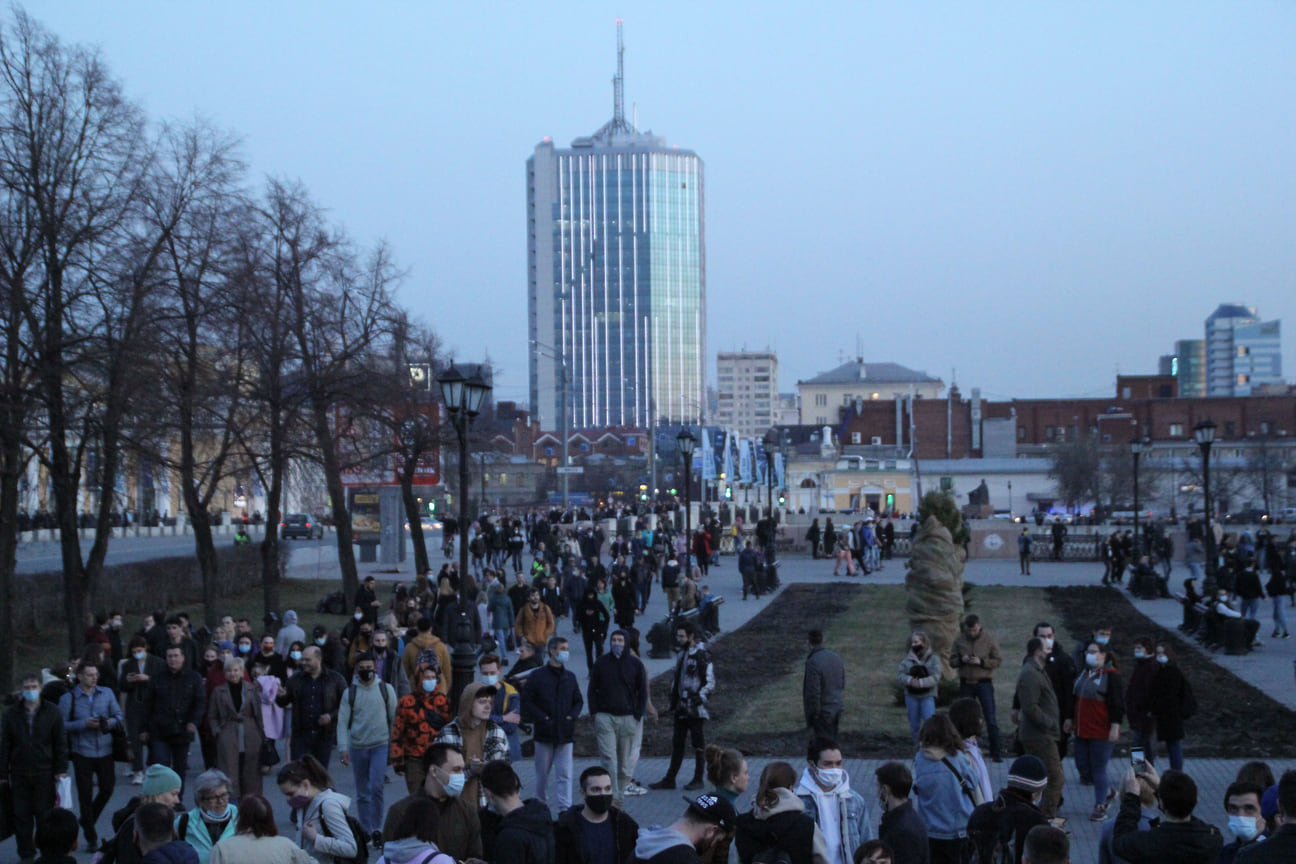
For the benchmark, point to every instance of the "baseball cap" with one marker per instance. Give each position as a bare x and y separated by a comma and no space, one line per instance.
713,809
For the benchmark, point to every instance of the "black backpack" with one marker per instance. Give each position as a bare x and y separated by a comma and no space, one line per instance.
358,833
332,604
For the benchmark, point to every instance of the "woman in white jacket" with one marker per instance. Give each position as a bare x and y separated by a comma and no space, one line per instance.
324,831
920,672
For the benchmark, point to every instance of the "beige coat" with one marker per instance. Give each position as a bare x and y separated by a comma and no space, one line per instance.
242,848
223,722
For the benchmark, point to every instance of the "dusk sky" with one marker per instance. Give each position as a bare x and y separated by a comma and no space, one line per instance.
1036,194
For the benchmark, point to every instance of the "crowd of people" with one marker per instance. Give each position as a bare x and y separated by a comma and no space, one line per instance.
380,695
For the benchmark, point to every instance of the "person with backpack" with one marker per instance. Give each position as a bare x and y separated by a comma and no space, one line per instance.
777,830
478,736
365,721
998,826
414,840
325,829
213,818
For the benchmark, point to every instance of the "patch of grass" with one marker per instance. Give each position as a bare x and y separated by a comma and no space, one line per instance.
872,635
300,595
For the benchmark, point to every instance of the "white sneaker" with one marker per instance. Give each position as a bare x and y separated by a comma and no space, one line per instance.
635,790
137,779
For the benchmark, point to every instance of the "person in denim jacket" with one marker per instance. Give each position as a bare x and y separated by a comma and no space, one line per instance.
90,714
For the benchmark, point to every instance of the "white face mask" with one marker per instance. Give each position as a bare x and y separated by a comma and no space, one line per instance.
1093,661
830,777
1048,642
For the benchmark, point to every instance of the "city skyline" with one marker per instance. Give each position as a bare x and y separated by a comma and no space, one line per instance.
1036,197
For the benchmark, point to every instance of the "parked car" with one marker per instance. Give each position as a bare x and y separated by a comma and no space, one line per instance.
1249,516
301,525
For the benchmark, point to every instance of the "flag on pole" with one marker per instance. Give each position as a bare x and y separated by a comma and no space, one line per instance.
779,479
728,460
708,457
745,474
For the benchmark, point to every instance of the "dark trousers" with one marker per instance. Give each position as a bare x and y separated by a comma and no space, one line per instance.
172,751
87,769
691,727
593,645
949,851
983,692
645,594
33,795
824,725
319,746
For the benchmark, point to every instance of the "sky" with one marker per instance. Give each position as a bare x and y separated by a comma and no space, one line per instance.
1025,197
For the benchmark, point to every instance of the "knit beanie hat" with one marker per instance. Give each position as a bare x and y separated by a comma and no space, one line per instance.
158,780
1028,773
427,658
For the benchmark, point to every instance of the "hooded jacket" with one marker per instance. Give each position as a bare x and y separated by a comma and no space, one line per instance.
618,685
526,835
289,633
476,738
411,850
785,826
551,699
569,836
409,660
840,814
1191,842
333,837
663,845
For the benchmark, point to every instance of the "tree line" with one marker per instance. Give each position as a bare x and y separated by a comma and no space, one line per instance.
158,305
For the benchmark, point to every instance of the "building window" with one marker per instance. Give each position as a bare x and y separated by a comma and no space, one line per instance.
1243,350
1050,433
821,420
1243,378
1176,430
1125,392
1230,429
855,438
1021,433
821,400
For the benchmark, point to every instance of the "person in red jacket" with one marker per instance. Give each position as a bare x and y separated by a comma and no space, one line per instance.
1099,710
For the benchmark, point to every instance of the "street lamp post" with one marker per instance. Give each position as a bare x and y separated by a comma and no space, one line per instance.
1136,450
463,397
686,442
1204,432
771,441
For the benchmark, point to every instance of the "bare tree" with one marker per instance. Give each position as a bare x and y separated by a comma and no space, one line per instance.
1075,466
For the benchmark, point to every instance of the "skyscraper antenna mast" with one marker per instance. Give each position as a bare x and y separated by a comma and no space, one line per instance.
618,86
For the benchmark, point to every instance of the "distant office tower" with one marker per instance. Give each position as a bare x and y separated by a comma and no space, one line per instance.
1190,367
747,391
1242,352
616,260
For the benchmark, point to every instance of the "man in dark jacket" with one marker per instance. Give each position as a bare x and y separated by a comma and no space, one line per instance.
1038,725
748,564
459,831
1280,848
708,822
1180,838
314,694
823,692
33,752
1004,822
525,834
598,832
177,704
618,697
551,701
691,688
901,827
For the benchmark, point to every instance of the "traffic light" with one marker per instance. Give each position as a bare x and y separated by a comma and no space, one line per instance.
643,491
782,499
728,493
431,507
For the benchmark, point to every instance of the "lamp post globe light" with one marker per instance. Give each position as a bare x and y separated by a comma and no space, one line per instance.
686,443
1136,450
463,397
1204,432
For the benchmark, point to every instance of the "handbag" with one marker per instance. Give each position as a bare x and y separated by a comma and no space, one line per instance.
123,749
269,756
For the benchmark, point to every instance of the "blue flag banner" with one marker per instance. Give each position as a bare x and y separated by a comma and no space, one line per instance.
745,474
708,457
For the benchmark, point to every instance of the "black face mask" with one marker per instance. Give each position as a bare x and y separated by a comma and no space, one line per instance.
366,675
598,804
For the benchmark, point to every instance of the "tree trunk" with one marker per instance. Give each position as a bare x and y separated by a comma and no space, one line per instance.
274,505
205,549
337,498
9,477
415,519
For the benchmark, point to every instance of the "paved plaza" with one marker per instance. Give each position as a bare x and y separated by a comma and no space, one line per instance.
1269,668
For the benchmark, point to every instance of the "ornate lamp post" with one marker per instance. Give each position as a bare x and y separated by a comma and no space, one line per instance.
1136,450
686,443
1204,432
463,397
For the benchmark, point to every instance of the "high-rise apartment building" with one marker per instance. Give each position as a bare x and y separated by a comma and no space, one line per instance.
1242,352
616,259
1190,367
747,391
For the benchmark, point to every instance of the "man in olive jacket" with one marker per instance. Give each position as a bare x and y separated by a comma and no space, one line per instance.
976,655
1040,725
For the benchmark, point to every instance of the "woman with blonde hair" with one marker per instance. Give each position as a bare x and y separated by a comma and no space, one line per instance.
778,822
920,673
235,722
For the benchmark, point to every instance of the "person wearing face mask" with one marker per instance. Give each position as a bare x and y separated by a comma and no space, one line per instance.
458,827
900,827
1004,822
618,698
365,721
323,828
707,821
1099,710
474,733
551,700
426,640
1179,837
526,831
1245,824
268,657
1281,845
315,695
134,674
1138,696
293,659
33,753
596,832
920,673
1171,703
838,810
1039,725
420,717
361,644
777,825
506,713
214,816
331,651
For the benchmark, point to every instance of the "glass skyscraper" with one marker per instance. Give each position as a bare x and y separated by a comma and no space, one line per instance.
616,259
